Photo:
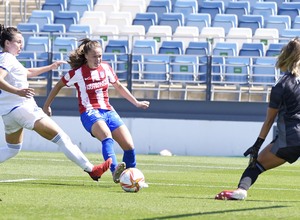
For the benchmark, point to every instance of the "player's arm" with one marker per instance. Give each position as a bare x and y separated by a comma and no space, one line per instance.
24,92
53,93
32,72
123,91
270,118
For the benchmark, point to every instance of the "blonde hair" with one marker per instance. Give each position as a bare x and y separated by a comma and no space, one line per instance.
77,57
289,57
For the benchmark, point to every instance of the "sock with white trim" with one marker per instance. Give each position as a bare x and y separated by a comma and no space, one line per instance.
72,151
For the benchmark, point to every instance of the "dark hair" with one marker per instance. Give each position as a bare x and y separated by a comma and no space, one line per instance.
77,58
7,34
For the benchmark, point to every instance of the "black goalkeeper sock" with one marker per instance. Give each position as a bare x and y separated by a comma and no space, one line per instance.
250,175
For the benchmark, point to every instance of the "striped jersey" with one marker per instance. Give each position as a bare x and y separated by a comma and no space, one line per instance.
92,86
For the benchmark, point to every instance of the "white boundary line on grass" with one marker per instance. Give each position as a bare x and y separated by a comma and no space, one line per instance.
17,180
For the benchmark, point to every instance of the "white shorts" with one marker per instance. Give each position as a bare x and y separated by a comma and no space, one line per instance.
23,116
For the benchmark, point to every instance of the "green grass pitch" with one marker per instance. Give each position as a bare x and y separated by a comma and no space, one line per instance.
40,186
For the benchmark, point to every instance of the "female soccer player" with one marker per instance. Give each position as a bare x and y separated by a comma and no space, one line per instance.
91,78
19,109
285,105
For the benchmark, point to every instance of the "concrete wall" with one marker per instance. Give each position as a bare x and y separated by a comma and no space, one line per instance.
181,137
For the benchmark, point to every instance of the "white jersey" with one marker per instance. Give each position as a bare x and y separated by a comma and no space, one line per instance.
17,77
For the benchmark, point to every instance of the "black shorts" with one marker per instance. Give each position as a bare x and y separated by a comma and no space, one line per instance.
289,154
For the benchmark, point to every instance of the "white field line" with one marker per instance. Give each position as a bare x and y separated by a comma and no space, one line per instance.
16,180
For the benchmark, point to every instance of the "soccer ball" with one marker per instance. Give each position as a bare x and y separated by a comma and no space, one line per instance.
132,180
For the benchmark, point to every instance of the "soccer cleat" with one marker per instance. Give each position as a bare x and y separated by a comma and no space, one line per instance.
238,194
98,170
117,173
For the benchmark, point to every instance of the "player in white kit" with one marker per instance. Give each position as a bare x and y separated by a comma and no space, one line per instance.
19,109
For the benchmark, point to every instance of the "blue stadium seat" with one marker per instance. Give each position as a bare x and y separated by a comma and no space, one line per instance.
67,18
28,59
144,47
146,19
291,9
279,22
239,8
252,49
274,49
198,48
184,69
117,46
225,49
79,31
198,20
212,8
226,21
251,21
80,5
41,17
172,19
28,29
156,68
64,44
55,7
159,7
296,23
286,34
185,7
41,46
62,2
265,9
55,30
237,70
264,71
171,47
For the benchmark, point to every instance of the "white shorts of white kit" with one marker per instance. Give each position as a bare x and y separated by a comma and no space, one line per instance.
23,116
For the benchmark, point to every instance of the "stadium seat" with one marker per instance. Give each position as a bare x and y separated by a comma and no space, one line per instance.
171,47
53,7
41,46
62,2
92,21
159,7
226,21
198,20
41,17
132,33
274,49
239,8
156,68
264,71
225,49
198,48
119,18
95,14
265,9
79,31
286,34
28,59
106,33
28,29
67,18
159,33
279,22
186,34
55,30
212,8
212,34
291,9
266,36
237,70
184,69
173,20
296,23
80,6
144,47
185,7
146,19
107,6
239,36
252,49
133,6
251,21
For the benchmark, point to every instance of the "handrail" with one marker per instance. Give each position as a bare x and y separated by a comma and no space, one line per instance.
7,14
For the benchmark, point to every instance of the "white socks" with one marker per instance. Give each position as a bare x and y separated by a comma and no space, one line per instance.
72,152
9,151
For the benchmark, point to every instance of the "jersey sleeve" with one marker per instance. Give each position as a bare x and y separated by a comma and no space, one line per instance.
67,78
112,76
8,61
276,96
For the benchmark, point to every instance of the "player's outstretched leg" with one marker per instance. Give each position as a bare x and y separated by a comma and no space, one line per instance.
238,194
98,170
117,172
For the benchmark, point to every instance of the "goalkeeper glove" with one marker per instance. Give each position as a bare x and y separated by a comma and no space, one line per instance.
253,151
